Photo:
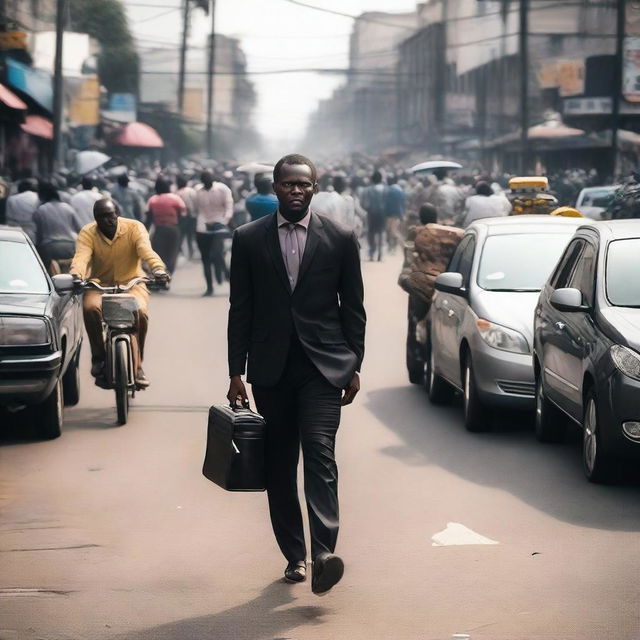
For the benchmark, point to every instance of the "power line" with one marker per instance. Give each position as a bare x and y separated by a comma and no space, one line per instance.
157,15
362,18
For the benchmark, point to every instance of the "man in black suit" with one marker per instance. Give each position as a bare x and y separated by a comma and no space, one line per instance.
297,315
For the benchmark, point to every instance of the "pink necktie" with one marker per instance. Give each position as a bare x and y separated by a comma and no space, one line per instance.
292,254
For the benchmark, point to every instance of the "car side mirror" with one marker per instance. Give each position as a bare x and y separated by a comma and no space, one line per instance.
63,283
450,282
568,300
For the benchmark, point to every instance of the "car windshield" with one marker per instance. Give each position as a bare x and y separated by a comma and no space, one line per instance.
521,262
623,285
20,271
598,198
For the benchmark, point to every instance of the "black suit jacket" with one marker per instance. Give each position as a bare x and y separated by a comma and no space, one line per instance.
325,310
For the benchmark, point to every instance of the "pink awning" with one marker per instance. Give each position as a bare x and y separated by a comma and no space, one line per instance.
138,134
38,126
11,99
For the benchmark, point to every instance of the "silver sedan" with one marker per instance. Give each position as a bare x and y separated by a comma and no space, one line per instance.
479,332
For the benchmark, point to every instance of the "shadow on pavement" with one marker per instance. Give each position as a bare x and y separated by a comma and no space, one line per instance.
259,619
548,477
102,418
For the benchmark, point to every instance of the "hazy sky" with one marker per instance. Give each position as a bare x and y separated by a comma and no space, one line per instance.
275,34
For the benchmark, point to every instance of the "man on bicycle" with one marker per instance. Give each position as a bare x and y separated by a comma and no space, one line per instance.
110,251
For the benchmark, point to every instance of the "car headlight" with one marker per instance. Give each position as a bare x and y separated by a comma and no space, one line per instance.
499,337
626,361
18,332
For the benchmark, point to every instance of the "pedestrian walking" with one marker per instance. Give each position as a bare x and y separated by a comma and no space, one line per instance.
484,204
263,202
188,221
56,226
129,201
83,201
373,198
21,208
297,317
164,211
214,206
394,209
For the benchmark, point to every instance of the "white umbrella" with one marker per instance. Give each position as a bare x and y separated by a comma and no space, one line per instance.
435,164
255,167
87,161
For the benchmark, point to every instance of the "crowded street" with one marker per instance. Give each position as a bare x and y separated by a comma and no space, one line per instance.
112,532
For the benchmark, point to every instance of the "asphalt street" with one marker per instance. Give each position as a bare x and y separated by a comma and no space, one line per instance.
112,532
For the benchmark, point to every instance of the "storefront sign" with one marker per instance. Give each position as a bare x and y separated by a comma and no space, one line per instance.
84,106
122,107
566,75
631,69
587,106
632,18
13,40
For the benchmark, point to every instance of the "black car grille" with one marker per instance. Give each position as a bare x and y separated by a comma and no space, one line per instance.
27,350
517,388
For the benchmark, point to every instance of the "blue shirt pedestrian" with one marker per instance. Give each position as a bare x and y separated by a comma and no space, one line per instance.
259,205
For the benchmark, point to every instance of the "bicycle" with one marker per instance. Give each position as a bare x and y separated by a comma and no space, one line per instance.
119,323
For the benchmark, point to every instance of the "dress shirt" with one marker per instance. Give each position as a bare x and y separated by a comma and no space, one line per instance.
301,228
188,195
115,261
55,220
20,210
213,205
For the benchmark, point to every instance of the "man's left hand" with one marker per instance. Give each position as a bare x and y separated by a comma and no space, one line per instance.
163,276
351,390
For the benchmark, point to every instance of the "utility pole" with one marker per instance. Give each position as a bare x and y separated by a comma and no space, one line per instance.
617,87
211,79
57,161
524,85
183,53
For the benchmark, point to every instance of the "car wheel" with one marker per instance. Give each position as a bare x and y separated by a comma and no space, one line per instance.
438,389
71,381
49,414
551,423
596,462
476,416
415,365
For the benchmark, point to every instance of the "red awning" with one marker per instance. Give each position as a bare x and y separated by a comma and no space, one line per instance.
38,126
138,134
11,99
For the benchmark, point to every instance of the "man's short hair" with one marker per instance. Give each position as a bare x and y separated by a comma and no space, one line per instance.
294,158
339,184
376,178
263,185
26,185
428,214
123,180
87,182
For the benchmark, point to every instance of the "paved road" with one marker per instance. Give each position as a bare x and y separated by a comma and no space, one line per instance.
112,532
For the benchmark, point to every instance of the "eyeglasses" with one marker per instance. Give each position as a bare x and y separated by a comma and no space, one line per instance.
305,186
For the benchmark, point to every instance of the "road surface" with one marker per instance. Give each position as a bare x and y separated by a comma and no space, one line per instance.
112,532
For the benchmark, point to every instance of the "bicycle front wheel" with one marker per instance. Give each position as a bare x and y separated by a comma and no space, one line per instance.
122,380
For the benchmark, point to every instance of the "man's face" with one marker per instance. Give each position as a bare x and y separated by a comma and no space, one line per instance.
106,216
294,189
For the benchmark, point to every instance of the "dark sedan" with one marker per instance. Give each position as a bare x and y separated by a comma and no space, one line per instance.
587,346
40,336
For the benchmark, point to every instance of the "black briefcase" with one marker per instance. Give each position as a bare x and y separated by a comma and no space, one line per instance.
235,449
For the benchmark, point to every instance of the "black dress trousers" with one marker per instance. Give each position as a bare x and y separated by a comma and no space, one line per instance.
303,408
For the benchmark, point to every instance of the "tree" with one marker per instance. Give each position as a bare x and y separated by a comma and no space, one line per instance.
106,21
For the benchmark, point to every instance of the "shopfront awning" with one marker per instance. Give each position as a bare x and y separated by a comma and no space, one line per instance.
138,134
36,84
38,126
10,99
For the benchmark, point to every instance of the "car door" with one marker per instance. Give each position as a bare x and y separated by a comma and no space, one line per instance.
452,314
554,331
578,335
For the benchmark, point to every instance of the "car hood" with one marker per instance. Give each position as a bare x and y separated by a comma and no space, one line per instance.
512,309
25,304
623,325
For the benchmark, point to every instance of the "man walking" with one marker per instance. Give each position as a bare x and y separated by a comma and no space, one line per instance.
83,201
373,198
296,313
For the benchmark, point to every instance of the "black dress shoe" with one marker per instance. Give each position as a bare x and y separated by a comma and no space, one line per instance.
327,572
296,571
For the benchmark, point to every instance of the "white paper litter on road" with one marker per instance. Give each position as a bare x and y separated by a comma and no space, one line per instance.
457,534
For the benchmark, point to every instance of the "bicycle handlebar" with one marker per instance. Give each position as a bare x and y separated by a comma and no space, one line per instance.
123,288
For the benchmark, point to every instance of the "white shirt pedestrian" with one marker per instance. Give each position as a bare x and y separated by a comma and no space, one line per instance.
82,203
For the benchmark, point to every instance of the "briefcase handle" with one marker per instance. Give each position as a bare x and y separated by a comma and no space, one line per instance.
245,405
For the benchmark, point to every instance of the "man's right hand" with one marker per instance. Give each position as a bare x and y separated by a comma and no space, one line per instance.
237,392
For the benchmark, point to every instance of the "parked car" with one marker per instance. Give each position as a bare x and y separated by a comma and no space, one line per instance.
593,201
40,336
480,325
587,346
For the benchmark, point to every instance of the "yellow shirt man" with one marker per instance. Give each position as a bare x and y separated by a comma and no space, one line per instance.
111,261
